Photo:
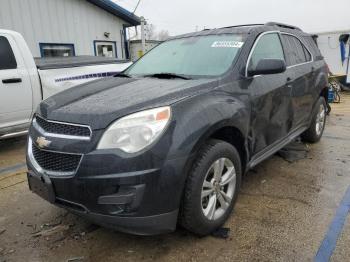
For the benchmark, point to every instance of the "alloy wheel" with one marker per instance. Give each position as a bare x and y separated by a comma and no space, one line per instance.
218,188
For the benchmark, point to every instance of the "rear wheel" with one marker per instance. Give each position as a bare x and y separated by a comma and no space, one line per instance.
314,133
211,188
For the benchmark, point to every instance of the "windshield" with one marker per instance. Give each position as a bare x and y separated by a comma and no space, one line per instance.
210,55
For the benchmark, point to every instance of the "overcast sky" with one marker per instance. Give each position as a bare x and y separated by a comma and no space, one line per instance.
182,16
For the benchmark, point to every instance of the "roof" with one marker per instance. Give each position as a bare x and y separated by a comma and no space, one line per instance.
245,29
117,10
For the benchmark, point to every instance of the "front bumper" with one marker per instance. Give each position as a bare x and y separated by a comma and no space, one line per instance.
136,193
145,225
139,202
149,225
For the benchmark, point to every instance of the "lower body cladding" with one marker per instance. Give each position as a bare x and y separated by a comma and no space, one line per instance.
140,202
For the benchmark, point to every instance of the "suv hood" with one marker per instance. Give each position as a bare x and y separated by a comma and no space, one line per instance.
101,102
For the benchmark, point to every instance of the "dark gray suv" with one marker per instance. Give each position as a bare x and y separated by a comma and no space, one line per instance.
168,140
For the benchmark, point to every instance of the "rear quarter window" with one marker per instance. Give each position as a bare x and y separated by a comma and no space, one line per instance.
311,44
296,52
7,58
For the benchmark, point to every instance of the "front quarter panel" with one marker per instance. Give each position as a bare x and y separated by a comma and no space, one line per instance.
199,117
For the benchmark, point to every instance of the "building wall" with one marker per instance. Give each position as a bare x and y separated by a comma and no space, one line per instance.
136,48
61,21
330,49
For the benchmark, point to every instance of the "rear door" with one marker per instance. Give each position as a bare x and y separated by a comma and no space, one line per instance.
15,86
271,117
300,74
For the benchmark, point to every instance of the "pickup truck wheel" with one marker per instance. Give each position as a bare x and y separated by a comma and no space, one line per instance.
211,188
314,133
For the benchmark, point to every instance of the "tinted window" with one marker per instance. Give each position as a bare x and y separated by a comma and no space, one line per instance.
296,52
311,43
209,55
7,58
268,47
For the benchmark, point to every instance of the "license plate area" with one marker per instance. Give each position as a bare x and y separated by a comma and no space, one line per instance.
42,186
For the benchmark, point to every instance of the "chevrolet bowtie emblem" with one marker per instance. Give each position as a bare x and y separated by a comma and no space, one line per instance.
42,142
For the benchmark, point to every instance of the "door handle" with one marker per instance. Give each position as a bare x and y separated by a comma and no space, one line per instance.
12,80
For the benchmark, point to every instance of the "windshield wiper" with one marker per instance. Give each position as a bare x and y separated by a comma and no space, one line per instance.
122,75
168,76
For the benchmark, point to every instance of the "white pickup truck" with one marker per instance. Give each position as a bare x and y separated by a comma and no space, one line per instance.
25,81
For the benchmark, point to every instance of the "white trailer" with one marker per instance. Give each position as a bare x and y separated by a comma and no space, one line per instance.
328,43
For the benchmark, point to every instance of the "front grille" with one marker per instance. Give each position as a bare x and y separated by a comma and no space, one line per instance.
63,128
56,162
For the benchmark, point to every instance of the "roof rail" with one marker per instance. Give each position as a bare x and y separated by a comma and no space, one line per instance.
241,25
233,26
283,25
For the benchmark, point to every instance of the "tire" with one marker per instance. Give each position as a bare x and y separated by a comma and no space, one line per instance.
314,133
195,214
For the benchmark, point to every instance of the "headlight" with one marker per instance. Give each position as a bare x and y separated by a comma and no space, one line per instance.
136,131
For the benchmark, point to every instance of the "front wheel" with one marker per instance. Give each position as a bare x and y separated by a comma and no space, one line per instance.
211,188
314,133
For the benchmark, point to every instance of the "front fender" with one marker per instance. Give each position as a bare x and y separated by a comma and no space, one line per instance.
199,117
195,120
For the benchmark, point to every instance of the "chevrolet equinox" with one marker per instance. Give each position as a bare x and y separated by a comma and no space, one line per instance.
167,141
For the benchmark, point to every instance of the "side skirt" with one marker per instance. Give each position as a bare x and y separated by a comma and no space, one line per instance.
270,150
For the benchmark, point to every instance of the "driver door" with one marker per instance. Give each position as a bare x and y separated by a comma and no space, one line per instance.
271,105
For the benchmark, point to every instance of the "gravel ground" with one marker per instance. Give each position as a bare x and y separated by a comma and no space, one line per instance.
283,213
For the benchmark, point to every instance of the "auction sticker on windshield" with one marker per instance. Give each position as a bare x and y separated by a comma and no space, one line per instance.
228,44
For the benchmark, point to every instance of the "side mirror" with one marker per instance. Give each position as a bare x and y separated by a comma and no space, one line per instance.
268,66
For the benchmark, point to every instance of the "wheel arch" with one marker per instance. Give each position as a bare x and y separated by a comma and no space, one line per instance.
224,132
229,133
233,136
